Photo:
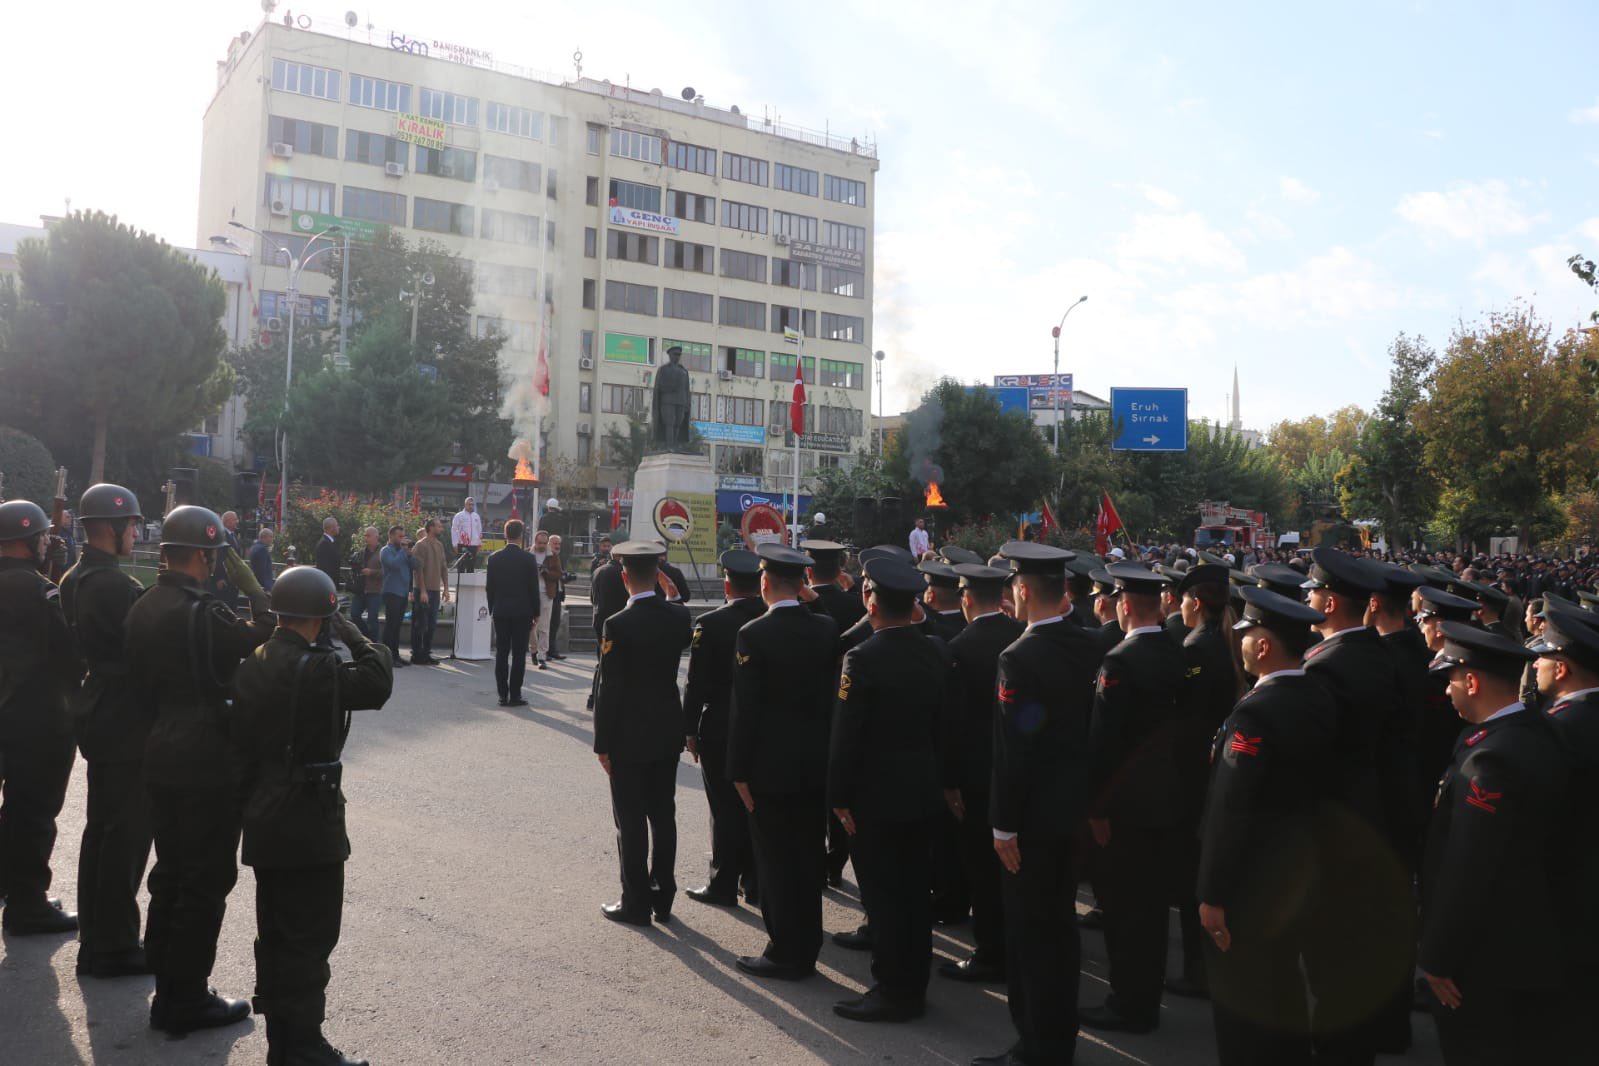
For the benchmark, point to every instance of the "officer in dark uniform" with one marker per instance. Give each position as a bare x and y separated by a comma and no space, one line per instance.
638,732
1171,603
112,730
1110,628
1440,726
292,702
955,555
1493,612
942,605
942,600
38,670
1038,796
1134,814
1271,768
1495,845
1420,694
183,646
777,757
975,653
843,605
1281,579
706,700
890,755
1080,588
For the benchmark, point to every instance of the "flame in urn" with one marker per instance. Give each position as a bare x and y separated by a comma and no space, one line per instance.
934,498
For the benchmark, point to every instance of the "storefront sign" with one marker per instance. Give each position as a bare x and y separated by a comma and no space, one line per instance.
626,348
739,483
826,255
1033,381
357,229
825,442
427,132
647,220
1044,399
728,433
695,514
452,472
729,501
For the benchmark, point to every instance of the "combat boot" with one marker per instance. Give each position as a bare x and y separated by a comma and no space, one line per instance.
183,1006
308,1047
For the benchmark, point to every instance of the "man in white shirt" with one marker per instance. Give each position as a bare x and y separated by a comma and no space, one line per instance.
919,542
466,533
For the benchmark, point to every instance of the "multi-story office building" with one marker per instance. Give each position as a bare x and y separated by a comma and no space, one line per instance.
644,220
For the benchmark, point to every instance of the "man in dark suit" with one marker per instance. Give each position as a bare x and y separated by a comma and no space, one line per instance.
777,758
706,700
638,733
942,600
327,551
1080,589
952,903
513,593
890,759
843,605
975,653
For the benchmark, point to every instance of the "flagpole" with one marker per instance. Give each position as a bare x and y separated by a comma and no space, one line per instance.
799,371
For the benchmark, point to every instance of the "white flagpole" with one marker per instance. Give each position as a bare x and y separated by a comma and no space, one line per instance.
799,371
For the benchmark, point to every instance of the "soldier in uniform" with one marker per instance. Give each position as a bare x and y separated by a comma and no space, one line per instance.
183,646
1134,815
638,733
1109,633
1038,797
843,605
1500,985
952,902
942,601
112,730
292,702
889,756
777,757
1421,697
38,670
975,653
1271,765
1080,589
706,700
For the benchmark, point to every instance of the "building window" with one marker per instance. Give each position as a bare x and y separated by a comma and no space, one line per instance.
305,79
557,131
746,265
743,216
448,107
844,191
296,194
783,367
842,282
375,148
842,374
588,293
498,279
312,308
789,271
585,450
508,226
696,356
634,299
593,139
585,345
691,206
844,327
794,227
623,400
591,191
793,179
551,184
745,314
744,362
741,410
508,173
441,217
374,205
379,94
691,157
677,303
699,404
846,421
457,163
294,242
518,336
782,424
736,459
788,318
632,247
639,197
517,121
307,138
780,462
839,235
743,168
631,145
585,398
590,241
685,255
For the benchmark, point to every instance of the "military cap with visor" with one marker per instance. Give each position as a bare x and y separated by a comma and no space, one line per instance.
822,549
1436,603
1281,579
955,555
940,575
739,562
1104,584
1478,649
21,519
1573,633
885,551
106,500
1276,612
304,592
782,561
1131,577
1203,574
1030,557
980,578
1340,572
1397,580
892,575
191,526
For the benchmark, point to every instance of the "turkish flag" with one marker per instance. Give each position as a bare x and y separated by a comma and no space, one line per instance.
616,509
416,499
1046,522
796,411
1107,524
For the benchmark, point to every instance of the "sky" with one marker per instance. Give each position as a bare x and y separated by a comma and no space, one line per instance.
1248,183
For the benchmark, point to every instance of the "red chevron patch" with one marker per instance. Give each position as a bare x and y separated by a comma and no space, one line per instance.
1242,745
1482,799
1007,695
1478,735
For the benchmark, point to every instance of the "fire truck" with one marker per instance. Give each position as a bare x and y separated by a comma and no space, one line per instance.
1222,527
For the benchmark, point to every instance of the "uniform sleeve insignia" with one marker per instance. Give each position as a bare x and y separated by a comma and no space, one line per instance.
695,642
1482,799
1195,671
1007,695
1478,735
606,646
1106,681
742,658
843,686
52,593
1242,745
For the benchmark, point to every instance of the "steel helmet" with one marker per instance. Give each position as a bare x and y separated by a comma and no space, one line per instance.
20,519
108,501
304,592
192,527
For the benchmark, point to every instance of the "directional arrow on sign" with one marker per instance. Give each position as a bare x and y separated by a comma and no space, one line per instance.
1151,439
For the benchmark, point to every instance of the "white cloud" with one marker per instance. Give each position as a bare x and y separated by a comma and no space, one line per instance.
1265,227
1166,201
1171,240
1336,286
1586,114
1466,211
1296,192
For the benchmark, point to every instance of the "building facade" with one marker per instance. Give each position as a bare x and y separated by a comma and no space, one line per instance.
639,220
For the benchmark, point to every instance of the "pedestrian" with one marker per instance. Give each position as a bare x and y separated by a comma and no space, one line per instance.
1270,771
183,646
292,700
366,582
260,557
466,533
777,758
40,671
602,555
511,586
638,734
707,699
432,589
559,599
327,550
919,541
96,596
549,586
221,585
399,566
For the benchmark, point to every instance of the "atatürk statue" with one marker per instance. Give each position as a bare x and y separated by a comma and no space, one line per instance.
669,409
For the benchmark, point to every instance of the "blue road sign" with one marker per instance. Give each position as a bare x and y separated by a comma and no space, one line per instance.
1149,420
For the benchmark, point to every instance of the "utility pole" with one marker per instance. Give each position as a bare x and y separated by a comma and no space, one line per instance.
1054,385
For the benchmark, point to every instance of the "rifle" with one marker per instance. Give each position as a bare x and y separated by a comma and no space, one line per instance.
60,530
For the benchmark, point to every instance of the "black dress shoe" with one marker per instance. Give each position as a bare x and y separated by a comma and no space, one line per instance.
1188,988
1094,919
1012,1057
859,939
43,917
716,899
320,1053
761,966
835,879
557,656
517,702
543,665
617,913
876,1007
399,662
1108,1019
664,917
972,971
504,702
753,899
129,963
210,1011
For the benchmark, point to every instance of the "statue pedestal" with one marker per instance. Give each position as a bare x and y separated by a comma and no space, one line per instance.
689,478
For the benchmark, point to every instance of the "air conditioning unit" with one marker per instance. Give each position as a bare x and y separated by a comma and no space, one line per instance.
394,170
585,362
279,207
725,375
491,185
774,431
584,429
782,238
283,151
273,324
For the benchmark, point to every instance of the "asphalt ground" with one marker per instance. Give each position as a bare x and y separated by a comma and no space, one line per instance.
483,850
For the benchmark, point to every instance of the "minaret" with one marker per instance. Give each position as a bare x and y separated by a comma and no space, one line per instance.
1237,422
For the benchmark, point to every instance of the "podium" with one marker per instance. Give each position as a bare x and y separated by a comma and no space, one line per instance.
473,630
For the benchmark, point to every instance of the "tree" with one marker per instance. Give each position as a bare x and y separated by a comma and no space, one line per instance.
1384,477
111,329
837,489
1510,417
28,467
625,451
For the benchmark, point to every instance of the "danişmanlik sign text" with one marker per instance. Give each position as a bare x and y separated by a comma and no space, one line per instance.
645,220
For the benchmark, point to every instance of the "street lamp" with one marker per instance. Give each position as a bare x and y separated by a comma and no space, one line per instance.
878,357
295,266
1054,386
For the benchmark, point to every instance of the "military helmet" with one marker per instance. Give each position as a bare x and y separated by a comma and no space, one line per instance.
108,501
192,527
20,519
304,592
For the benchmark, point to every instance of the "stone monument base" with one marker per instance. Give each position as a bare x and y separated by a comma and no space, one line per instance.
674,474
